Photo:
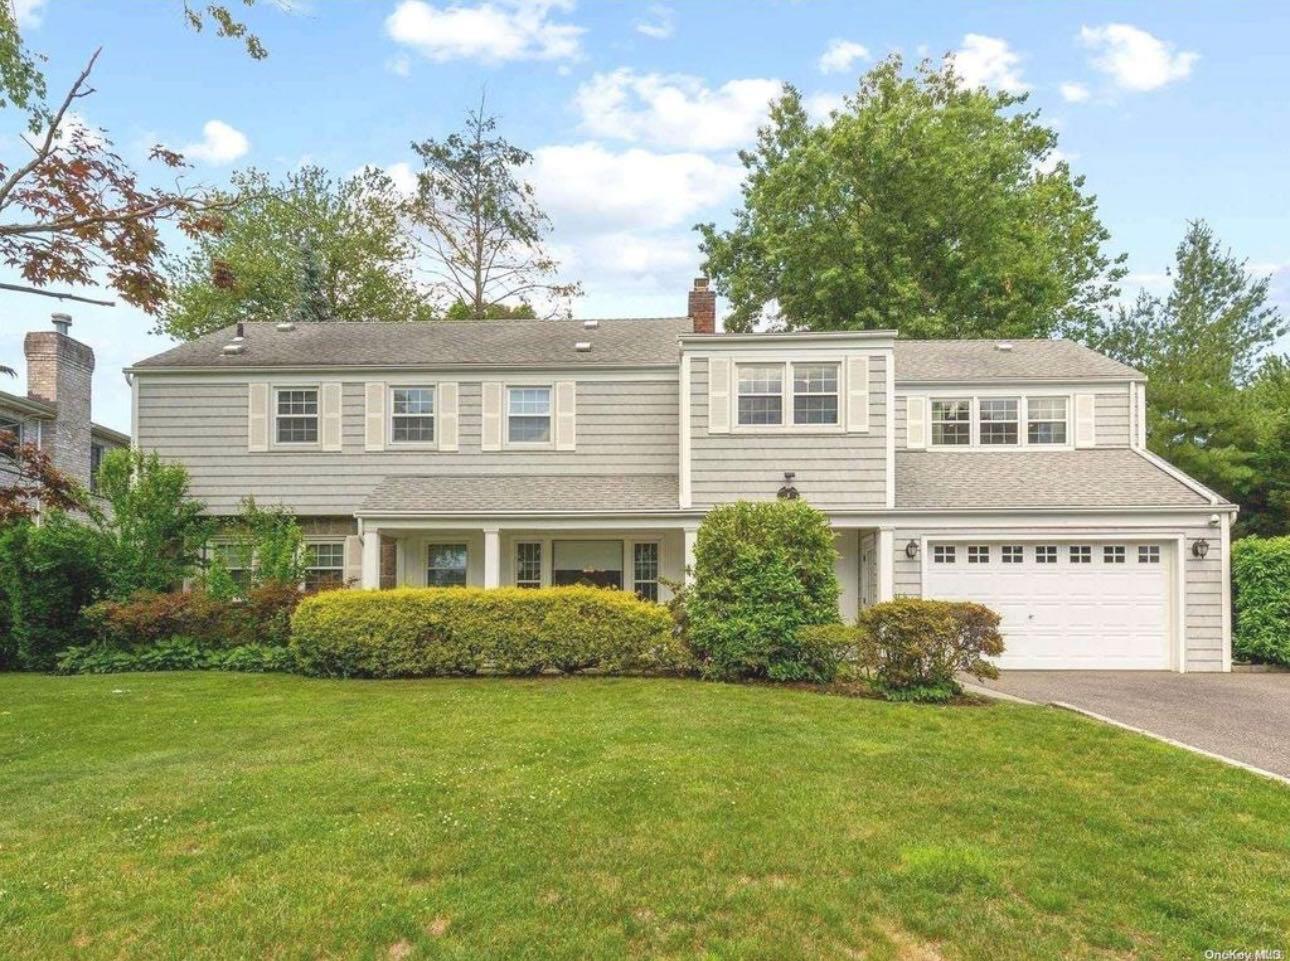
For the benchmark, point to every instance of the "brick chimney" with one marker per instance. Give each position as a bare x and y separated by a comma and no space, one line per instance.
59,371
703,307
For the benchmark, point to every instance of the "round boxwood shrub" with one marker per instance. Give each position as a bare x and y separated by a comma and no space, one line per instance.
761,572
1261,582
424,632
914,648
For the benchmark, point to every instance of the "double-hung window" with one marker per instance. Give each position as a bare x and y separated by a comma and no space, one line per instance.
528,564
645,570
1046,420
412,415
297,415
446,565
761,394
815,393
999,420
237,560
951,422
324,565
528,415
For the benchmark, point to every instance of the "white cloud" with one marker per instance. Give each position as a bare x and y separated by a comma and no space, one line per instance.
400,66
672,110
491,32
28,13
820,105
1074,92
75,125
1133,58
589,188
841,55
988,62
220,144
661,23
404,177
1054,157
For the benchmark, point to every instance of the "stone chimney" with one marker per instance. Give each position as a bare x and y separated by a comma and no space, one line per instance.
703,307
59,372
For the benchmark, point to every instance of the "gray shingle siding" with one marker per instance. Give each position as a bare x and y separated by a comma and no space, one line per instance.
834,470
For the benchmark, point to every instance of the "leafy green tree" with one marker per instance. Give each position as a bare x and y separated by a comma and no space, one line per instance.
480,226
311,246
1216,397
921,204
267,542
155,530
460,310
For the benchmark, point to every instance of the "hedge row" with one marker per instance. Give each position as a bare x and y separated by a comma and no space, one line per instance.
420,632
1261,588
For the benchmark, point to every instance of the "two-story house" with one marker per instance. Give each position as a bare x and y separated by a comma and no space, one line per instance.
538,452
55,414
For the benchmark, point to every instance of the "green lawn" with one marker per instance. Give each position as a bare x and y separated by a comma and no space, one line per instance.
237,816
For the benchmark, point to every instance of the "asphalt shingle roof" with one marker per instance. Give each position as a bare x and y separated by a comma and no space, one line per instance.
1106,477
974,360
478,343
500,494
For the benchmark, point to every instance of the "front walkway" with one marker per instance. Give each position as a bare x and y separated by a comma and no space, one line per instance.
1245,717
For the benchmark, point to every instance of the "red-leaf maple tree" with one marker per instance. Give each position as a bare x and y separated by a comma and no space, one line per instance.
33,483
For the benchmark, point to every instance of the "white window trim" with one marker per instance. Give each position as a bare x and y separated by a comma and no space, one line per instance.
443,542
314,541
389,417
507,443
974,397
931,422
786,424
274,390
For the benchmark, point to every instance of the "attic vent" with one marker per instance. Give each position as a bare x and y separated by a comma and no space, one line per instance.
590,324
234,348
1004,346
582,345
285,325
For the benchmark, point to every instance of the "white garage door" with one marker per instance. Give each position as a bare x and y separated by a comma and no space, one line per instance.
1095,606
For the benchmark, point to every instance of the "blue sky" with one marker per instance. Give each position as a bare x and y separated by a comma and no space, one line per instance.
634,112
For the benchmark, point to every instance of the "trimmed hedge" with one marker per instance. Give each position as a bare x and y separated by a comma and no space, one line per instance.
1261,593
914,648
424,632
263,617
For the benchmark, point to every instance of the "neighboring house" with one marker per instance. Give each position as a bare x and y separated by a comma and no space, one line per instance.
55,414
531,452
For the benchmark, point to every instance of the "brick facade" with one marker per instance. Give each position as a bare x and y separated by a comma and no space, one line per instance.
59,372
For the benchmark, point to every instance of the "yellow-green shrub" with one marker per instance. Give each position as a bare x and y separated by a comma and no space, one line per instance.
423,632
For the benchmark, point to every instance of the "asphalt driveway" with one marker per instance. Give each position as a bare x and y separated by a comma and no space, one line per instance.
1245,717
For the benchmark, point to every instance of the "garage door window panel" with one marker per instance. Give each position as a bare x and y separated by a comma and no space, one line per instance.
1012,554
1046,554
978,554
1081,554
1113,554
943,554
1148,554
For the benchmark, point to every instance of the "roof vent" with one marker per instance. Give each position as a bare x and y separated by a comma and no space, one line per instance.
583,346
234,348
62,323
1004,345
591,325
285,325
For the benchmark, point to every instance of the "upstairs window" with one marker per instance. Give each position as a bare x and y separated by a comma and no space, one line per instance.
297,415
999,421
1046,420
761,394
412,415
815,393
528,415
951,423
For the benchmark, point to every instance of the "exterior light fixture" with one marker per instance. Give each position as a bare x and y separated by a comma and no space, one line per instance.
788,492
1200,549
911,549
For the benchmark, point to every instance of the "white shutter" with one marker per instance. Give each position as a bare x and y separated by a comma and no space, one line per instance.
331,435
353,561
257,426
446,416
718,395
1085,424
490,436
374,417
916,422
857,394
566,401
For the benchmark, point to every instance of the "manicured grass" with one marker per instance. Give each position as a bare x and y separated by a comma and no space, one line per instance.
194,816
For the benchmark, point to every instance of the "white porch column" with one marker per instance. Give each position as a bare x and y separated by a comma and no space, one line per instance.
492,557
371,557
691,535
886,559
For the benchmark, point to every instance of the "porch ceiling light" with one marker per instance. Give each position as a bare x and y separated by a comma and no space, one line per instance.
911,549
1200,549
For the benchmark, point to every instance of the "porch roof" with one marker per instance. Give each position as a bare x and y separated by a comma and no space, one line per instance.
482,494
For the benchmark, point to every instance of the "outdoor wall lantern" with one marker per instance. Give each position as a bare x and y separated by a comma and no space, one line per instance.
788,492
1200,549
911,549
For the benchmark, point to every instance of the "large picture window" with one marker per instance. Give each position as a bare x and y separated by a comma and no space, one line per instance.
297,415
412,415
1046,420
815,393
446,565
761,394
528,415
999,420
951,422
